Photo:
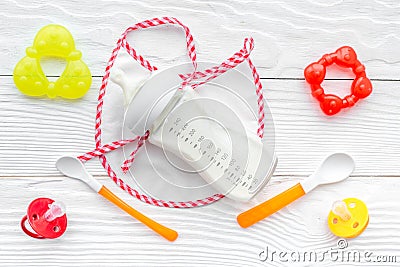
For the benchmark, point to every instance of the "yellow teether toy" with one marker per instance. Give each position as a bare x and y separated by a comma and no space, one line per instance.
53,41
348,218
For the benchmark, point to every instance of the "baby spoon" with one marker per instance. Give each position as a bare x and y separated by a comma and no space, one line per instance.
335,168
74,168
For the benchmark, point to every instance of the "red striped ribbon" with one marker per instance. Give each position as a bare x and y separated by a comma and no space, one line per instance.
188,80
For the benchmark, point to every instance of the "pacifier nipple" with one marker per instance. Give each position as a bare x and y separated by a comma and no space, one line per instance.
340,209
348,218
56,210
118,77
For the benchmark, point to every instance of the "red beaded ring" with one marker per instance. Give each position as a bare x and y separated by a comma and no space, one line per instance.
344,57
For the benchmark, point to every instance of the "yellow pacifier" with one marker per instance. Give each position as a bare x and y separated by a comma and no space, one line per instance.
348,218
53,41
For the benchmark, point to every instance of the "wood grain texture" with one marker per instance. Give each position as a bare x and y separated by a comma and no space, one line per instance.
289,34
101,235
38,131
32,128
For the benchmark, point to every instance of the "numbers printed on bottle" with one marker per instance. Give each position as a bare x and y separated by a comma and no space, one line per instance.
210,145
177,121
233,172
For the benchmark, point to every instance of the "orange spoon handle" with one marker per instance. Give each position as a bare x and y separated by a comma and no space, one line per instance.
165,232
269,207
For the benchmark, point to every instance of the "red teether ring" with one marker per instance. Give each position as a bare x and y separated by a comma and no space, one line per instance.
344,57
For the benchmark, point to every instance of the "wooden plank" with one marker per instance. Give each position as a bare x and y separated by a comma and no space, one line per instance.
33,127
289,34
38,131
100,234
368,131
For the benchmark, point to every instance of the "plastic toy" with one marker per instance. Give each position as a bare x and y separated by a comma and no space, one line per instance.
335,168
348,218
53,41
344,57
46,217
73,167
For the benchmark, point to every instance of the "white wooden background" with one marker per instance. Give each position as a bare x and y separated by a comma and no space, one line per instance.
289,35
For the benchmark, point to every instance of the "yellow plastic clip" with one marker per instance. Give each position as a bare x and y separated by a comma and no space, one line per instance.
53,41
348,218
